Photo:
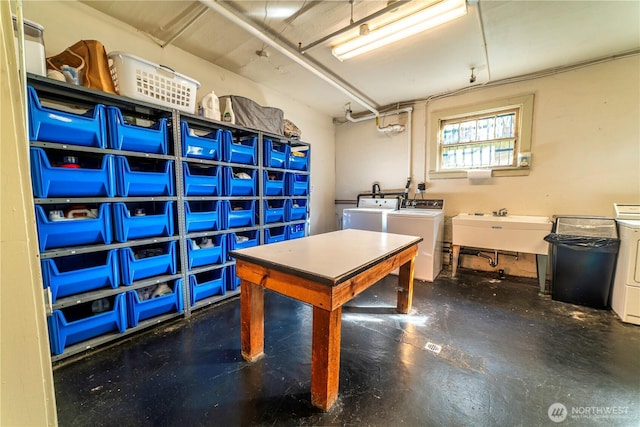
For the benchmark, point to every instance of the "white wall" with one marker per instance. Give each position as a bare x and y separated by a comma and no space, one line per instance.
386,156
66,22
586,146
26,382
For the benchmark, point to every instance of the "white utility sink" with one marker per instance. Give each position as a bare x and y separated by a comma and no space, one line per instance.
515,233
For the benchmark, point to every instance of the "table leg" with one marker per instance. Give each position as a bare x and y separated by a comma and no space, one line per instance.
251,320
454,262
405,287
325,357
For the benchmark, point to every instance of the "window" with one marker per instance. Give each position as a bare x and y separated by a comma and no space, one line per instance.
489,135
480,141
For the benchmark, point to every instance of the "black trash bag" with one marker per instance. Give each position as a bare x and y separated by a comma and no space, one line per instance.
597,244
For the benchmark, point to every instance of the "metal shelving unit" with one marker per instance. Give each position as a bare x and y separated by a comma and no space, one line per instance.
65,93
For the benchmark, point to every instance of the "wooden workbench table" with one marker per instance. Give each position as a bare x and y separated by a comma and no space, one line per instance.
326,271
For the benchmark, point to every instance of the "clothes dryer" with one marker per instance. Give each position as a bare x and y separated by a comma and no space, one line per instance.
625,299
424,219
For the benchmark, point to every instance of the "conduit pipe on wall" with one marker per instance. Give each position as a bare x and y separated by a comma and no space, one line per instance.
287,51
409,140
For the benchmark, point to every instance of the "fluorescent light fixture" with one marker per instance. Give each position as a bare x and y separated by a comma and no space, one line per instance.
274,12
281,12
422,20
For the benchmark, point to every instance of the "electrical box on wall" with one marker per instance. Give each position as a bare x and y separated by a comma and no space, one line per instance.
524,159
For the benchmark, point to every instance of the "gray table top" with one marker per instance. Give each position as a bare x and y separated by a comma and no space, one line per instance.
329,258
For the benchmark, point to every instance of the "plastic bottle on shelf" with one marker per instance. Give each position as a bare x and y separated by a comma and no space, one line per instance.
210,105
56,215
229,116
70,162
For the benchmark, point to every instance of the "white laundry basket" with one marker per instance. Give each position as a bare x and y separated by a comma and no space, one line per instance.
157,84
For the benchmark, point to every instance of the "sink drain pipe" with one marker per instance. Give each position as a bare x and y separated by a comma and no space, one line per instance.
493,260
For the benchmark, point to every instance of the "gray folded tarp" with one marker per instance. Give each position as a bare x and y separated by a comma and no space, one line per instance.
251,115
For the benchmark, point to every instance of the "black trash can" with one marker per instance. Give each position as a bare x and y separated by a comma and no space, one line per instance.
584,251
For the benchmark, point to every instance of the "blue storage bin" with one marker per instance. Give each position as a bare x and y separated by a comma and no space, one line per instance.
295,231
274,183
242,240
130,137
298,162
47,124
132,183
147,261
202,215
275,234
140,309
75,274
298,184
207,146
275,211
240,213
276,155
297,209
235,186
215,254
207,284
243,151
155,223
77,323
233,281
59,181
202,180
73,232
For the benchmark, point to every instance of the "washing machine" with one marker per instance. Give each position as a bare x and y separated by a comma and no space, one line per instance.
625,299
425,218
370,214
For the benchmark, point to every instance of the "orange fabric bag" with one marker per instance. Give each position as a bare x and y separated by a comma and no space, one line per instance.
89,58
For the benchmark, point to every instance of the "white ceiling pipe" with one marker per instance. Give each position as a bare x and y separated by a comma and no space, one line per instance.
347,114
391,128
287,51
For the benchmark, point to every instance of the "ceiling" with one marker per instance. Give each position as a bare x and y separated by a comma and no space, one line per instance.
498,39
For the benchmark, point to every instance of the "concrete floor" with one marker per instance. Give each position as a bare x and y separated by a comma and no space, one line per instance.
507,355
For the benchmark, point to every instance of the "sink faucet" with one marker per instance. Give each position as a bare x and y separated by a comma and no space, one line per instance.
501,212
375,188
